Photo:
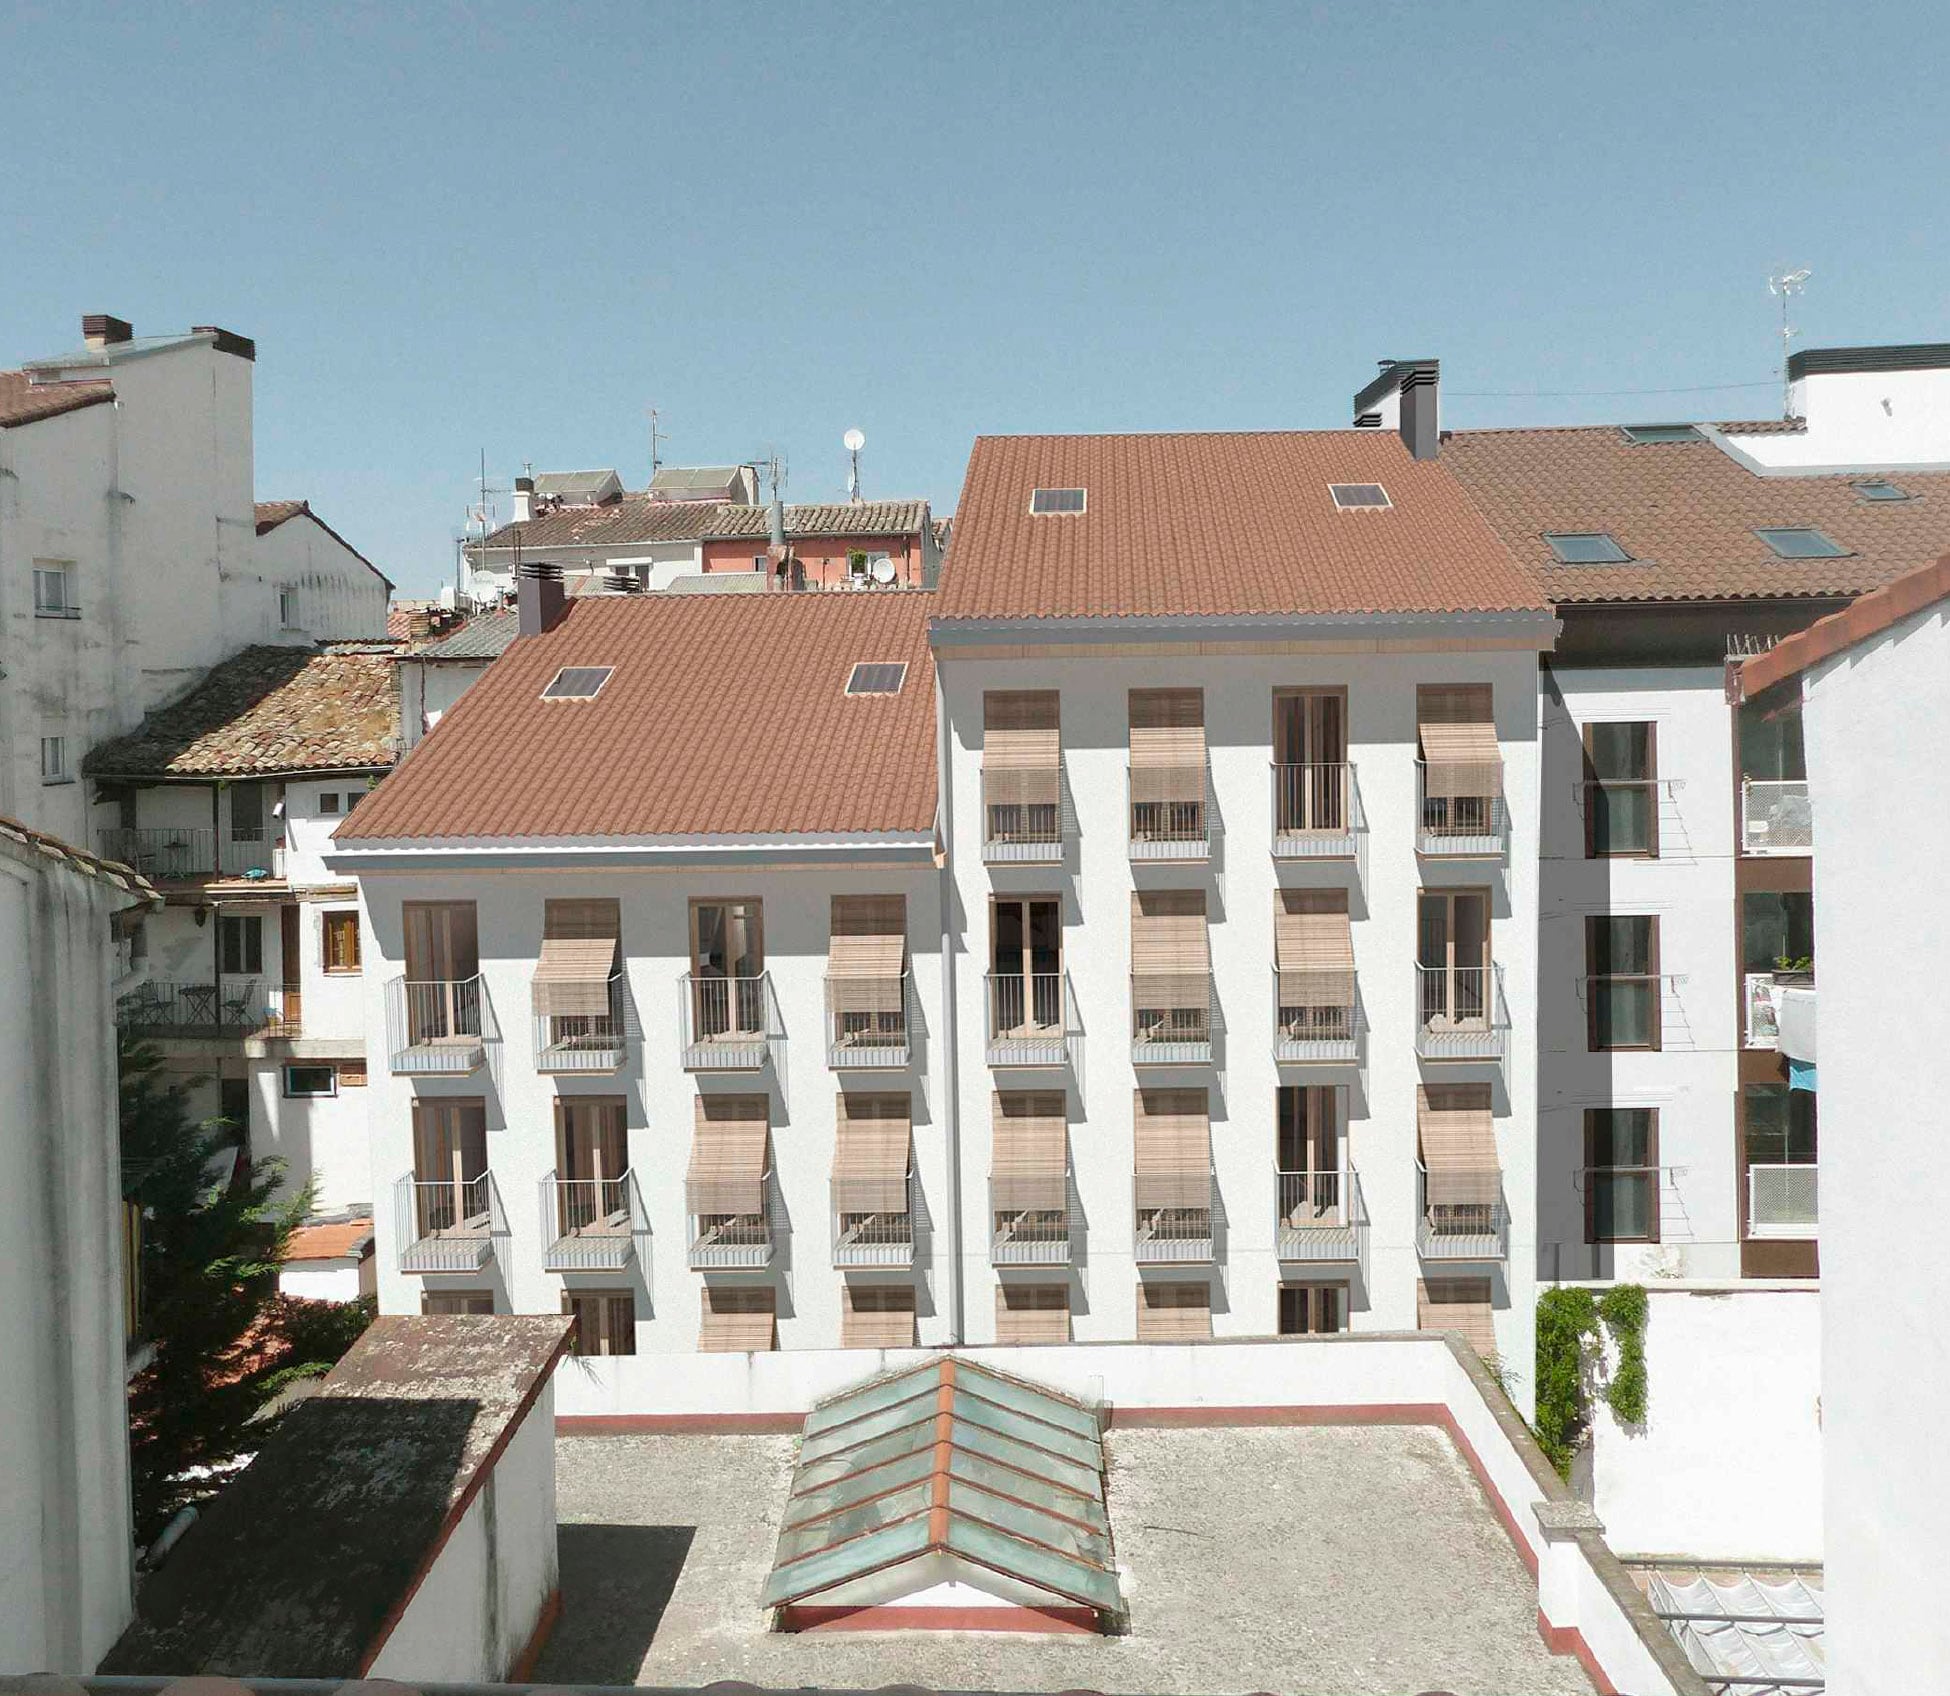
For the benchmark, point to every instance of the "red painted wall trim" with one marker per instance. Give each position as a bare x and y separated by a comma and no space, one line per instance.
1192,1418
1057,1620
678,1424
1568,1640
524,1663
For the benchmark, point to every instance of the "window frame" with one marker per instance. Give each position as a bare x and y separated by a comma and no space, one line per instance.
551,691
286,1071
249,928
1593,784
1660,435
1077,511
1833,549
608,1330
1316,1296
329,806
62,573
1648,1174
56,770
288,607
874,669
1385,504
1593,977
339,919
457,1302
1552,539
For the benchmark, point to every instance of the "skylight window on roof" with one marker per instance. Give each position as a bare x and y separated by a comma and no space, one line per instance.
1047,502
1586,547
577,683
1353,496
1877,489
1644,435
1801,544
877,677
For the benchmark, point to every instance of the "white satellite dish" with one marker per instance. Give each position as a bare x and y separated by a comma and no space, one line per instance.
854,440
883,571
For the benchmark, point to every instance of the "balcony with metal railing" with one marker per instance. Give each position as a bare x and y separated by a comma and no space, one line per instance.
1174,818
591,1224
594,1038
1472,826
1022,816
1317,812
1319,1216
439,1026
446,1224
1467,1219
1776,816
1171,1018
1461,1013
1783,1201
1024,1231
159,1009
171,854
871,1228
867,1022
730,1242
1173,1229
1314,1020
727,1024
1031,1019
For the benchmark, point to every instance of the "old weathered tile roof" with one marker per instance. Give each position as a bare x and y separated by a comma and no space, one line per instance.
661,751
25,402
637,518
270,514
1686,512
266,711
110,872
1238,524
330,1239
483,637
1880,610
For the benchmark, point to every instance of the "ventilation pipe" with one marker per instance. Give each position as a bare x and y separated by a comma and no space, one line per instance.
524,499
539,597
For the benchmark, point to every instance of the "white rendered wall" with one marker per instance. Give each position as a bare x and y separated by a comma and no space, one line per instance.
660,1094
66,1577
1860,418
1728,1465
479,1604
1873,721
1240,886
325,1280
1692,1080
339,595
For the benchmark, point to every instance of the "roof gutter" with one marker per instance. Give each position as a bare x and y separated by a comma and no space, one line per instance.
1529,627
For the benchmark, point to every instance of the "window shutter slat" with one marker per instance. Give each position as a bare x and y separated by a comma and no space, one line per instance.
728,1156
1457,724
1173,1140
1458,1142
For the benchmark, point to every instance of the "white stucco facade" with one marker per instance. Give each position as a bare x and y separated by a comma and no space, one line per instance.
1882,414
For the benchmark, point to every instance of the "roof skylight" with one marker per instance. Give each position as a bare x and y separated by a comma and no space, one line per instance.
1351,496
1878,489
1047,502
1646,434
1586,547
577,683
877,677
1802,543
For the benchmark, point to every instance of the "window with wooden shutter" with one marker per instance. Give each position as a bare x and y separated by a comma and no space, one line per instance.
1313,957
1171,967
580,943
877,1316
352,1074
1167,729
1022,754
605,1321
342,941
1032,1313
457,1301
1029,1177
1310,773
1173,1313
1309,1310
738,1319
872,1162
1457,726
729,1159
866,970
1463,1182
1173,1180
1458,1304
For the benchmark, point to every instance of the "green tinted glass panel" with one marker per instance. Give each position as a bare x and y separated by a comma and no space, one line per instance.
857,1521
884,1392
810,1504
859,1431
850,1560
1031,1431
1068,1578
831,1468
1005,1392
1038,1492
1022,1521
1035,1462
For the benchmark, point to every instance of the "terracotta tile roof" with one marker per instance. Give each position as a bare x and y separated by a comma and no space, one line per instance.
340,1239
270,514
1764,427
485,636
110,872
1687,513
266,711
667,749
400,622
24,402
1870,616
637,518
1221,524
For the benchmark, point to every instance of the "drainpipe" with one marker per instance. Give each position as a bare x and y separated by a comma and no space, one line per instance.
950,1088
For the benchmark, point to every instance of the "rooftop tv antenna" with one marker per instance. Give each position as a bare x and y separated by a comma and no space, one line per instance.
1787,284
657,439
855,440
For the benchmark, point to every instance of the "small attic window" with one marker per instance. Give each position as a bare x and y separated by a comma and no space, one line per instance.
1350,497
1878,489
1046,502
577,683
1586,547
877,677
1801,543
1644,435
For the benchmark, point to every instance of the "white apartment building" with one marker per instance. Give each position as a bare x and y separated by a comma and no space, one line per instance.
226,800
133,555
1874,683
68,1291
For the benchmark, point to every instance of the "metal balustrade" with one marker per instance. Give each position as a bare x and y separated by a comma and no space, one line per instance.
1477,1228
1031,1236
867,1022
730,1242
1783,1201
168,853
446,1224
1173,1230
1317,812
1030,1019
1311,1023
583,1042
233,1007
1776,816
1177,824
1461,1013
1022,816
1171,1018
1318,1216
591,1224
439,1025
1467,827
865,1235
727,1024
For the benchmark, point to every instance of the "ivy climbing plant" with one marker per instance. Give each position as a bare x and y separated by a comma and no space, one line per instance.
1570,1323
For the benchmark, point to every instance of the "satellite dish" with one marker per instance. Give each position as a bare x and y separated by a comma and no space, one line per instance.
883,571
855,440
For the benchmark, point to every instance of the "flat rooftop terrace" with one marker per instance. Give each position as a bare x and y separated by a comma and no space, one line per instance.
1296,1559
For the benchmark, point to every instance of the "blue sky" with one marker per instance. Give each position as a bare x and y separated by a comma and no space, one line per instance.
457,228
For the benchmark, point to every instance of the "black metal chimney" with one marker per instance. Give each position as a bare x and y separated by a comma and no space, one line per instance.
539,597
1418,403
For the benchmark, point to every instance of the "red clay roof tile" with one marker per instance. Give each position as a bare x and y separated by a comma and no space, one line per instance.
24,402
